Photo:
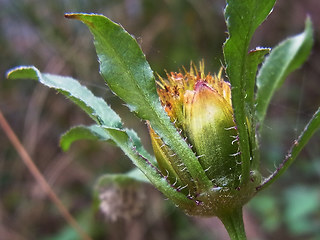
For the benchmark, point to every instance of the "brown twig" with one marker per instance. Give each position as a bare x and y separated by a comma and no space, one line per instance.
40,178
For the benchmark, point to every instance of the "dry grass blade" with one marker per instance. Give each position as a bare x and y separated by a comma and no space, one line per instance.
40,178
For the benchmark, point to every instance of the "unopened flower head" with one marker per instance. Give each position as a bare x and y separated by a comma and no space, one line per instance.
199,105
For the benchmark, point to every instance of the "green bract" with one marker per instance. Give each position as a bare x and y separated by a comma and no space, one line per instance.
203,129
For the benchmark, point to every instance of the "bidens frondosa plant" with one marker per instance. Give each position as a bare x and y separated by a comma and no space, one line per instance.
204,130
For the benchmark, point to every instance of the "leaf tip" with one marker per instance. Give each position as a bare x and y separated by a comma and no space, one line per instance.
309,25
79,16
83,17
10,72
62,143
22,72
72,15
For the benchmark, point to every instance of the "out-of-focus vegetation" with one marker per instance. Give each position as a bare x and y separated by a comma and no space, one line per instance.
171,33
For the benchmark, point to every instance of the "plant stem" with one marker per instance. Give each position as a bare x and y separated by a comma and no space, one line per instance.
233,222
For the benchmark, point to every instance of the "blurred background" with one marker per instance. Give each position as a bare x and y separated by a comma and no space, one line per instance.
171,34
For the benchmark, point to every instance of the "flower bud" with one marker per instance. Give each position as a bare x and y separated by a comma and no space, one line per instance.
200,107
210,128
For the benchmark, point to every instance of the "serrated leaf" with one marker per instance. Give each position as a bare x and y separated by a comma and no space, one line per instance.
94,106
93,132
283,59
242,18
128,74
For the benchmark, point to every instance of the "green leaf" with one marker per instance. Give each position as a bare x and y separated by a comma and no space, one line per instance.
94,106
128,74
242,18
105,116
255,57
283,59
93,132
96,132
122,64
121,138
305,136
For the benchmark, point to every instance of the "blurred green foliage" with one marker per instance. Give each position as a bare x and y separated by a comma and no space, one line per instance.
171,33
